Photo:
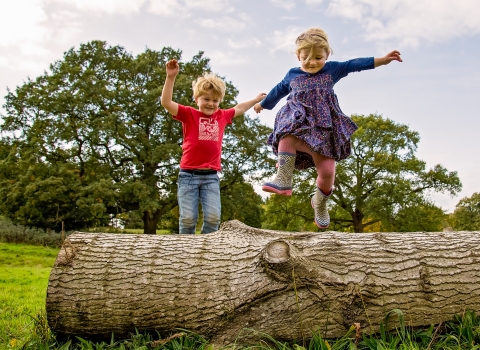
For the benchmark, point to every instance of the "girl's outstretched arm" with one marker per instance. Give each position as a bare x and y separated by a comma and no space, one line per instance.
245,106
172,69
389,57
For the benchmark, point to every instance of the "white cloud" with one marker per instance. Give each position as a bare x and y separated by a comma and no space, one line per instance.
99,7
285,39
411,22
313,2
182,7
24,31
244,17
4,61
165,7
69,23
20,22
225,59
286,4
247,43
27,30
27,25
227,24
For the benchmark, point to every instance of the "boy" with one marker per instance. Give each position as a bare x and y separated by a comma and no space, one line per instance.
202,147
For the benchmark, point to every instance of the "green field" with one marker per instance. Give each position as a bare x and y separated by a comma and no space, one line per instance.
24,272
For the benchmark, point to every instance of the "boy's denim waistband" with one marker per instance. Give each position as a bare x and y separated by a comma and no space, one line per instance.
198,172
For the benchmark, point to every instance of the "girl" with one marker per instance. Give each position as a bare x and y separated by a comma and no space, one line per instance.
310,129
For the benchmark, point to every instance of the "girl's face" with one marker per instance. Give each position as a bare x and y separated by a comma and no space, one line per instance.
316,61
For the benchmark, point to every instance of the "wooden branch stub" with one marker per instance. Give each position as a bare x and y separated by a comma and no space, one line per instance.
277,252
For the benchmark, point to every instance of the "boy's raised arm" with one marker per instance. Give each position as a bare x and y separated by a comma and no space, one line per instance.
242,107
172,69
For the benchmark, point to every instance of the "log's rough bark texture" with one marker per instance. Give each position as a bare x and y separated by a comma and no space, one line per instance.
281,283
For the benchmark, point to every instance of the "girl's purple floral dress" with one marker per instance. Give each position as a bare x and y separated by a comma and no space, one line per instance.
312,113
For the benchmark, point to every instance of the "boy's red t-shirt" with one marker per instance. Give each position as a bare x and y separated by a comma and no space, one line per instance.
202,137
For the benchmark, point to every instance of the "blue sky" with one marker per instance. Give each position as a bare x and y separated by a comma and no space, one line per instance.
251,43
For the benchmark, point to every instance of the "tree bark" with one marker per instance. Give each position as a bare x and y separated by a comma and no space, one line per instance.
239,279
150,222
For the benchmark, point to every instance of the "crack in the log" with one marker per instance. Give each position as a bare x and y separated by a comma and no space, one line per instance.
66,259
352,311
425,282
242,307
380,237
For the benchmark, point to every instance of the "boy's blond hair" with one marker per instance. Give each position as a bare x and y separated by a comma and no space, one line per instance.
313,38
209,83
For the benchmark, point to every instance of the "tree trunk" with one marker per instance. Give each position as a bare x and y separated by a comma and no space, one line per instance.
285,284
357,217
150,222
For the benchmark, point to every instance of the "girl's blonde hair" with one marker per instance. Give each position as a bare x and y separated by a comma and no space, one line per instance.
313,38
209,83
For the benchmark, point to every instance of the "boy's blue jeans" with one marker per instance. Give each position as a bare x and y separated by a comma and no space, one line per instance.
193,188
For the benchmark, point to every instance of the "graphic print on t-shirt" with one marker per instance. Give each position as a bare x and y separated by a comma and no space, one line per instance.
208,129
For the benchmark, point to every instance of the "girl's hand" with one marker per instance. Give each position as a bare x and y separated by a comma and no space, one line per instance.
389,57
257,108
393,56
172,68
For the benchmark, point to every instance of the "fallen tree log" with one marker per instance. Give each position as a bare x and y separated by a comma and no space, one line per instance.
286,284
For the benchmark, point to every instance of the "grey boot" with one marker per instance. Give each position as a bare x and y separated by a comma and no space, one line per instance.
282,182
319,204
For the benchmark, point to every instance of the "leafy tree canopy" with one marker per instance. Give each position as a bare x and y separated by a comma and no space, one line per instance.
381,182
466,216
90,139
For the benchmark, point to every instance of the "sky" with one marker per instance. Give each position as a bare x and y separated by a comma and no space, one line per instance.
435,90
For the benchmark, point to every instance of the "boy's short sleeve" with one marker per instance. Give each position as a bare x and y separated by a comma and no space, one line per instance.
229,114
182,113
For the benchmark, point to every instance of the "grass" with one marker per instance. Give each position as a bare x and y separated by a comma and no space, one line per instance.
24,272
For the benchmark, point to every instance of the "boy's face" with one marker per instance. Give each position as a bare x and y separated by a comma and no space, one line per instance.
207,103
316,62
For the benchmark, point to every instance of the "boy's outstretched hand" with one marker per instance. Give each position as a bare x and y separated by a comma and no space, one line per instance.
172,68
260,97
257,108
245,106
389,57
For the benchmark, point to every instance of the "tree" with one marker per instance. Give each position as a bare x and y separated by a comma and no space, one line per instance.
286,284
97,116
293,213
380,182
44,194
420,216
241,202
467,213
